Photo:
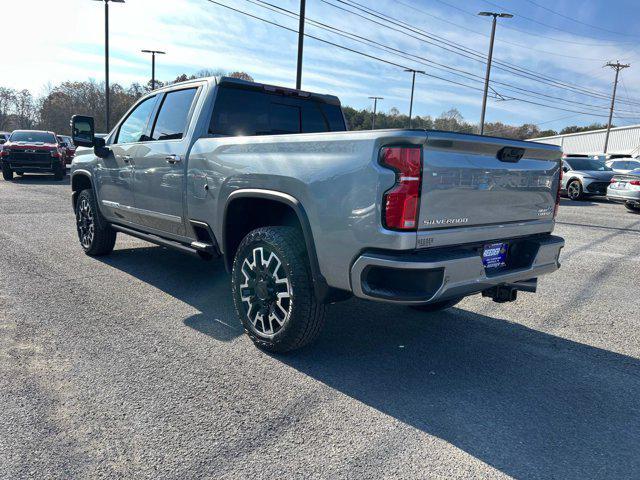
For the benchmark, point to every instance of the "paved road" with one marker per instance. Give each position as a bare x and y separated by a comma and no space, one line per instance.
134,366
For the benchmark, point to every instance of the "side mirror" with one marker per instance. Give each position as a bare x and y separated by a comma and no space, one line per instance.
565,169
2,141
83,131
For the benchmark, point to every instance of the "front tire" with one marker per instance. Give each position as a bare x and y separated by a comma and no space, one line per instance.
59,172
7,173
95,234
574,190
632,207
437,306
273,290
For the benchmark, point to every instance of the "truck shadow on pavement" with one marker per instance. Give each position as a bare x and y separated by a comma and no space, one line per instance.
530,404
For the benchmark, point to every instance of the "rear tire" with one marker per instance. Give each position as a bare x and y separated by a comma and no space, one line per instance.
635,208
574,190
273,291
7,173
437,306
95,234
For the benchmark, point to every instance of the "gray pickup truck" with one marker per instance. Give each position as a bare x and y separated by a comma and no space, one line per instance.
305,213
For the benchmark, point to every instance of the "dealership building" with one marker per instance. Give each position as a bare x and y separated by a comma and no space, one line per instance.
622,140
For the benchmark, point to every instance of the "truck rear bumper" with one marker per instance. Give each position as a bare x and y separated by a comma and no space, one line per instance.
430,276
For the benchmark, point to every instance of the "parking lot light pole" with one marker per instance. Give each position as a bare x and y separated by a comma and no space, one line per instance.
490,57
153,65
106,60
413,86
375,108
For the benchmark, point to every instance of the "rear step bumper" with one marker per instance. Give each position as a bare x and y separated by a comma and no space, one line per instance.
429,277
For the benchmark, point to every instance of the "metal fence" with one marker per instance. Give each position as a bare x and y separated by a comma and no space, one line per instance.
622,140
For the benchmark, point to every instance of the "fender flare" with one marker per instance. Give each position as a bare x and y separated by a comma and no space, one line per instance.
319,282
74,194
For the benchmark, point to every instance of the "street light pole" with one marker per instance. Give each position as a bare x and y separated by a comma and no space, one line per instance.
375,107
413,85
153,65
300,44
617,67
490,57
106,61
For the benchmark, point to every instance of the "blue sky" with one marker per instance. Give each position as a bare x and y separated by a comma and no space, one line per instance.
65,41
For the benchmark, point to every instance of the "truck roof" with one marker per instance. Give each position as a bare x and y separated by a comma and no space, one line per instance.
239,83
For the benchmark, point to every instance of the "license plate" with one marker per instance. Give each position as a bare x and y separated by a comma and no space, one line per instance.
620,185
494,255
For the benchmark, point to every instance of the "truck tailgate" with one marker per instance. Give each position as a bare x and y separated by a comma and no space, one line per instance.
470,180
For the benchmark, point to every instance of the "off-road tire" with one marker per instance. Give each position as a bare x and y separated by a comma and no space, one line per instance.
635,208
104,237
7,173
437,306
574,190
305,314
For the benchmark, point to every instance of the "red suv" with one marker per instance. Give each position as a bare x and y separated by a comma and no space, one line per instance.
68,148
32,151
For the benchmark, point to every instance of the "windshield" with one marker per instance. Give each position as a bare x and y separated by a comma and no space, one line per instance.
33,137
588,165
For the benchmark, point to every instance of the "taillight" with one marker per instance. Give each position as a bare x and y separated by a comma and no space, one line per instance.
555,209
634,182
55,153
401,202
613,180
4,152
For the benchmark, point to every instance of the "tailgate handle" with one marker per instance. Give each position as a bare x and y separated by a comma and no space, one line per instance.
510,154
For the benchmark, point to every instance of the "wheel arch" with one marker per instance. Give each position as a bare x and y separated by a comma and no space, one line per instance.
247,209
80,180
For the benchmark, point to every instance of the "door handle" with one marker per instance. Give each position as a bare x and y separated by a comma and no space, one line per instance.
126,158
173,159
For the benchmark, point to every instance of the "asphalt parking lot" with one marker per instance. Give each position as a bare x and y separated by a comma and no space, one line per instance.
134,366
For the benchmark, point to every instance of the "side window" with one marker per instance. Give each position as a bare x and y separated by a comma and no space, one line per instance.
335,117
172,119
133,128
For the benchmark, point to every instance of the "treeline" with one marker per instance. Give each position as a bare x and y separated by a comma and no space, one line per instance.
53,110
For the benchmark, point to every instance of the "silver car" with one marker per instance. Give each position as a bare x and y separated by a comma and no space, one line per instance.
584,176
626,188
623,165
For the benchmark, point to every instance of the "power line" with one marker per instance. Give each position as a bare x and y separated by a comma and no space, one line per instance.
460,49
508,42
419,59
533,20
373,57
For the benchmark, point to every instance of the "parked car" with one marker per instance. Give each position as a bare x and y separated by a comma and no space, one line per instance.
304,213
623,165
584,176
4,136
68,148
32,151
625,188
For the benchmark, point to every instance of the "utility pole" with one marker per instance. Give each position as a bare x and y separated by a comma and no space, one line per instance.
617,67
490,57
106,61
413,85
153,65
300,44
375,107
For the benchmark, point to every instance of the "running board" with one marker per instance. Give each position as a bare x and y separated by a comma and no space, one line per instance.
196,248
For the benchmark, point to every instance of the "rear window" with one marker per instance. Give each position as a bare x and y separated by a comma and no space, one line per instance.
249,112
33,137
